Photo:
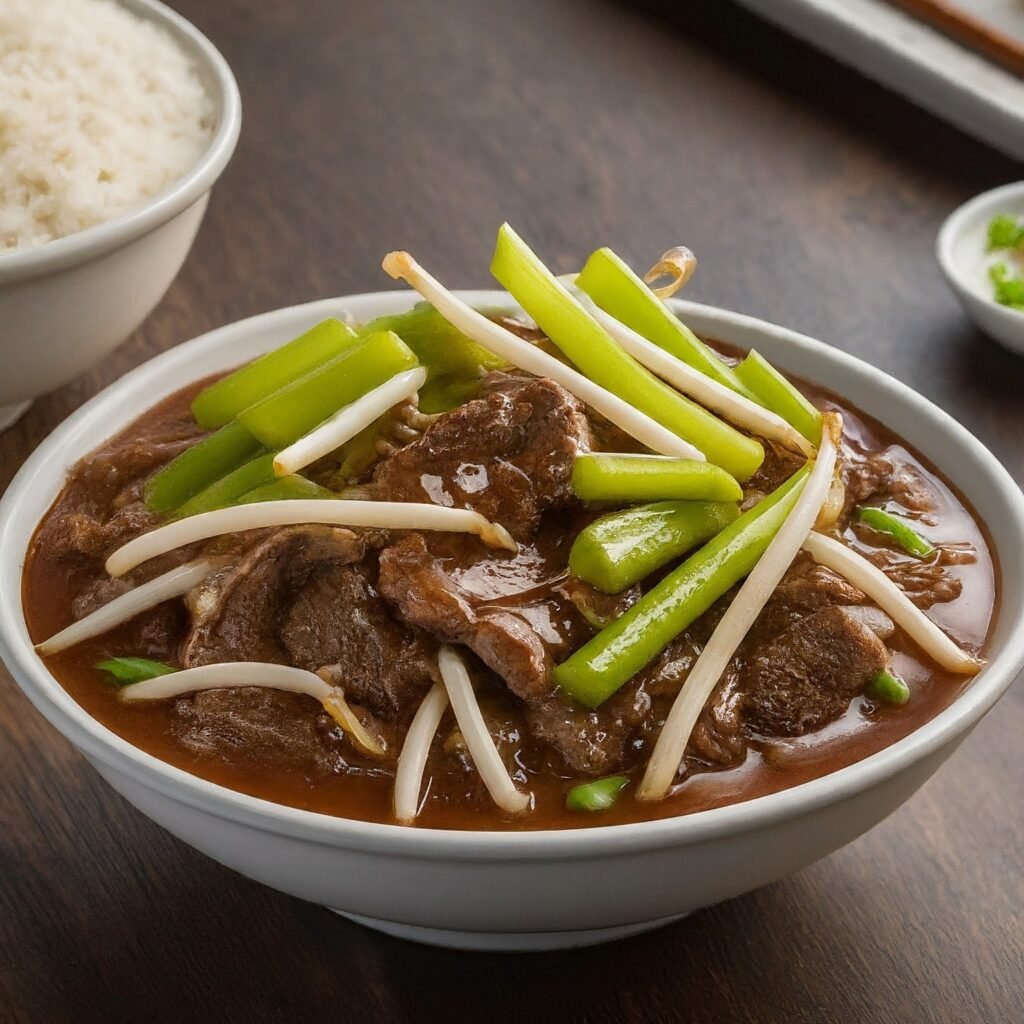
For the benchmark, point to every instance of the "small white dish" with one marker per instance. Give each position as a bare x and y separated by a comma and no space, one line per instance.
961,252
519,890
67,303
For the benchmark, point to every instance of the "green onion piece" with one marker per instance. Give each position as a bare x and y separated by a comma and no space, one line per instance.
598,795
228,489
885,522
225,399
1005,232
440,347
604,361
603,664
620,549
611,283
283,417
632,478
285,488
893,690
1009,290
133,670
443,393
779,396
199,466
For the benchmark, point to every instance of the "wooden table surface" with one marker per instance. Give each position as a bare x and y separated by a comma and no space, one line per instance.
812,198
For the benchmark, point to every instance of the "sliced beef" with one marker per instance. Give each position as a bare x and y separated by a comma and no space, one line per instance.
508,455
510,610
107,510
925,582
807,676
251,725
806,588
339,624
95,536
877,476
306,596
236,610
591,742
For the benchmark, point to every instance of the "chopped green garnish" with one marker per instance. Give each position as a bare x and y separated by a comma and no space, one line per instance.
596,796
885,522
1005,232
126,671
889,688
1009,290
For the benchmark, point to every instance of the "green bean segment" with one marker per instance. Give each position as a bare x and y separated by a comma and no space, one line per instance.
226,491
611,283
780,396
440,347
633,478
598,795
889,688
285,488
885,522
287,414
602,665
582,339
620,549
198,467
225,399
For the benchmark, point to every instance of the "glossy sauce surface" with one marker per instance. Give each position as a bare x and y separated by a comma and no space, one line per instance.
454,799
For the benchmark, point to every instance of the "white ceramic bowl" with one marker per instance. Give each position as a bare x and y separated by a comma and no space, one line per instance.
65,304
507,890
960,250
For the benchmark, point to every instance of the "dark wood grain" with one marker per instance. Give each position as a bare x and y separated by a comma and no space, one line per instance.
812,198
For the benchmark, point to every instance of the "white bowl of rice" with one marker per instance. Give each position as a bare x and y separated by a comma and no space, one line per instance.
117,119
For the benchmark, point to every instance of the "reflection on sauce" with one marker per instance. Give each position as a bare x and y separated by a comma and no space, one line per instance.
455,801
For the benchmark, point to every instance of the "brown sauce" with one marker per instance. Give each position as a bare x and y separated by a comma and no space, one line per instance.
454,800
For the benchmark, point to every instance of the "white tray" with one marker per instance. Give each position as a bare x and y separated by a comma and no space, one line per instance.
915,60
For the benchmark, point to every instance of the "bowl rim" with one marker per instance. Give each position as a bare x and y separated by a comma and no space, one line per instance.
949,234
100,744
90,242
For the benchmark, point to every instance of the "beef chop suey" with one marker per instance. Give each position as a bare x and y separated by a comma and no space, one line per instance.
368,609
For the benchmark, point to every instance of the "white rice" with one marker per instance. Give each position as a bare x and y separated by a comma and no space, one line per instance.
99,110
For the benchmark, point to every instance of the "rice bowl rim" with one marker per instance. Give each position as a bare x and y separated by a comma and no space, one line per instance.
219,82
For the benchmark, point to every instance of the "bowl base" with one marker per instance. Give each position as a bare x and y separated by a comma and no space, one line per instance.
10,414
507,942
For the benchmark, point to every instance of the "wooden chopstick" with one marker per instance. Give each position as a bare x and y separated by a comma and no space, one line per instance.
953,21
